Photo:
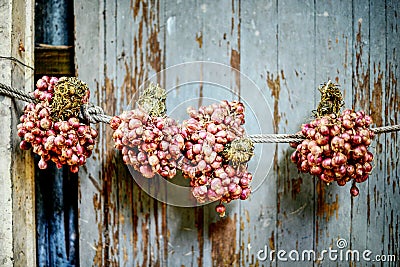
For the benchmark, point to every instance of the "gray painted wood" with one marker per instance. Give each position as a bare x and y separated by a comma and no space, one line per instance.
390,108
361,97
89,53
333,47
259,27
295,193
185,225
287,48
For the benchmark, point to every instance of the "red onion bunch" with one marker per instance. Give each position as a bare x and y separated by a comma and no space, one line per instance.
150,144
64,142
336,148
207,132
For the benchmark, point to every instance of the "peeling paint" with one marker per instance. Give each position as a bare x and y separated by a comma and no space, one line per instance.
235,63
377,92
221,233
324,209
296,184
271,240
199,213
361,75
274,85
199,38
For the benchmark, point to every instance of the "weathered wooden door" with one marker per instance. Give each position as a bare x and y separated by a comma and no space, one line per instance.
287,48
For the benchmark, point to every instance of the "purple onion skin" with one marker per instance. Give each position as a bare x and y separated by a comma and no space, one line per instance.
57,141
336,148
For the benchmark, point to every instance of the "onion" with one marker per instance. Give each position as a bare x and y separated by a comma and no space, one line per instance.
335,130
315,170
337,143
359,151
327,163
354,191
357,139
336,148
220,209
340,171
338,159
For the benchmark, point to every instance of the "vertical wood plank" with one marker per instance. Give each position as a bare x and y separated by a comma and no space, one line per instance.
6,201
390,116
333,62
89,53
376,188
361,98
110,93
259,61
295,84
22,47
199,234
187,237
221,43
139,55
124,57
17,231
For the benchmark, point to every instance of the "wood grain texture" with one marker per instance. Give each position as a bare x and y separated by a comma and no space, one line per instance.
295,79
17,197
391,174
258,217
186,235
57,60
287,49
333,35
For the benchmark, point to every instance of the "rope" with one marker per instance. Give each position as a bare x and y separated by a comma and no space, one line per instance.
15,93
276,138
386,129
293,138
95,114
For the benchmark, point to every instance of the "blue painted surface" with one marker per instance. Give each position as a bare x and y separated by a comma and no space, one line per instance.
54,22
56,215
56,189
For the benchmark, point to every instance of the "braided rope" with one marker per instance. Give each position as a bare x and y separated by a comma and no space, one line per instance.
291,138
95,114
15,93
276,138
386,129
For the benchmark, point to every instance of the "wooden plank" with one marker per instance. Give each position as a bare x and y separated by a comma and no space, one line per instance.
333,54
361,98
89,56
57,60
56,231
110,92
123,81
390,116
376,189
199,233
6,201
139,55
258,214
186,225
294,92
221,43
17,231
